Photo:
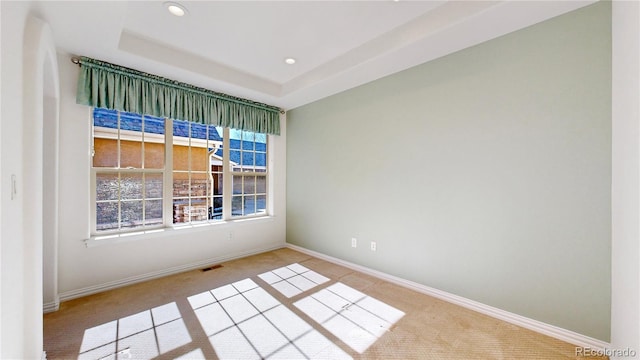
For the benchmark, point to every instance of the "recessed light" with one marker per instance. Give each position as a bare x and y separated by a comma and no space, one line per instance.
175,8
290,61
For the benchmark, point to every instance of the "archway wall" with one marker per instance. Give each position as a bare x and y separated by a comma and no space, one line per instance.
27,58
40,99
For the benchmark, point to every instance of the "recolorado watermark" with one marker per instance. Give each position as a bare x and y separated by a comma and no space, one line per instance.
586,351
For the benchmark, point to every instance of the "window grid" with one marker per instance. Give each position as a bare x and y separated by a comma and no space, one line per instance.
138,192
197,202
148,215
121,210
249,180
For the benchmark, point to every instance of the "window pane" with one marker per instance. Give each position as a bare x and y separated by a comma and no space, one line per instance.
130,140
261,139
249,184
198,131
199,209
153,126
105,153
153,185
107,186
153,155
180,129
261,162
236,206
215,162
261,204
105,135
180,157
131,152
199,156
153,212
180,184
234,157
248,160
130,122
106,216
179,206
261,184
105,118
199,184
153,142
131,214
216,211
249,205
217,184
131,186
237,184
181,148
248,140
248,151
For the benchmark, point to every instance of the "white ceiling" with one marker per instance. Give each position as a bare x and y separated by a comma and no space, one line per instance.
239,47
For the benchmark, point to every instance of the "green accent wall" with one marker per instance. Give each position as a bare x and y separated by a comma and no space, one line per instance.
485,173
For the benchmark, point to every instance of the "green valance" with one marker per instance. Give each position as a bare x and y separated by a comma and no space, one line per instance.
105,85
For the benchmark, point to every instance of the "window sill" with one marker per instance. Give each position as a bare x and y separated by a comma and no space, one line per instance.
98,240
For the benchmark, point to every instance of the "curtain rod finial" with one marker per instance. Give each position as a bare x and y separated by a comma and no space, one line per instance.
75,60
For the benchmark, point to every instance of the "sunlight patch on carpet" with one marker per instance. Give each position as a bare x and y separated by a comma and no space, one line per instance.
355,318
293,279
143,335
243,321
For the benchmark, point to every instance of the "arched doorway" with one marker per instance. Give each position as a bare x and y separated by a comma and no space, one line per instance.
40,158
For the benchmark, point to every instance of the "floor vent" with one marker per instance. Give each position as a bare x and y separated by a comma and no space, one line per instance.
213,267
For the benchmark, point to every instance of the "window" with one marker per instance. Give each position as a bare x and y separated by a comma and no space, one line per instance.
149,172
248,158
197,172
128,165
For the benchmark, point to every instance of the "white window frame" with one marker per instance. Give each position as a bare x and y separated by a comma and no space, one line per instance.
167,192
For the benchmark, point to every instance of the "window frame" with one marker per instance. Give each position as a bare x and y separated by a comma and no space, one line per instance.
167,176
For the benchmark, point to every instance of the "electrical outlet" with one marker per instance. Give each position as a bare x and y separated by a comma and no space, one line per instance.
373,246
354,242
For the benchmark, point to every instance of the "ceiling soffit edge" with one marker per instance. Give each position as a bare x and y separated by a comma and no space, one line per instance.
153,50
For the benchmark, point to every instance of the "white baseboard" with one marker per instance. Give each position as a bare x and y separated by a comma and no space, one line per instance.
51,306
89,290
531,324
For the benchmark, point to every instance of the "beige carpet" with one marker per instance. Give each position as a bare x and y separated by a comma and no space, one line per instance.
282,305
